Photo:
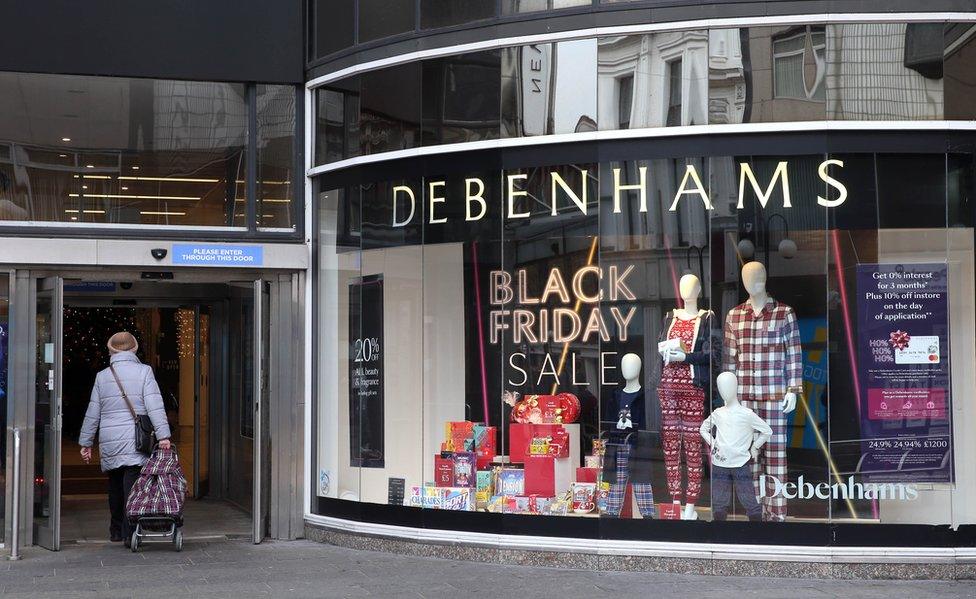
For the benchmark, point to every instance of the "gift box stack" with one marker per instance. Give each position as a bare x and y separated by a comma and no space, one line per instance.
462,475
466,436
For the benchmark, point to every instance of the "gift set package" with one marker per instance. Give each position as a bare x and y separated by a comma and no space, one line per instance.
542,474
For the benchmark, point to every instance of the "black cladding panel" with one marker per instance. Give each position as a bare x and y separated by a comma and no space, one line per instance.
222,40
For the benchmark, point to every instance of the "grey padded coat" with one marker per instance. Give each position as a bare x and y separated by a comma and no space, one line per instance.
108,415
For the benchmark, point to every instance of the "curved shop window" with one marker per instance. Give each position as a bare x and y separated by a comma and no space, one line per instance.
779,331
789,73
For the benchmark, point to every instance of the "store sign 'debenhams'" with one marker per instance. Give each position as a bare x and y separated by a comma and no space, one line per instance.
405,198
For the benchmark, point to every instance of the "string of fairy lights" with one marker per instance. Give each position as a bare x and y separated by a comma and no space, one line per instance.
86,331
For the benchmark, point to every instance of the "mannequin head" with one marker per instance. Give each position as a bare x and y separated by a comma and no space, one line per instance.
728,388
630,367
690,288
754,278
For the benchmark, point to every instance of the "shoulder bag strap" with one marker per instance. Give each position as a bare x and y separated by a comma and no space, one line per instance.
124,396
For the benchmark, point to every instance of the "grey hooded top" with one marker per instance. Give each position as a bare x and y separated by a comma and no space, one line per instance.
109,416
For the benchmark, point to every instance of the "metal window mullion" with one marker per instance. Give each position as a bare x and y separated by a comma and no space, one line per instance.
252,158
298,171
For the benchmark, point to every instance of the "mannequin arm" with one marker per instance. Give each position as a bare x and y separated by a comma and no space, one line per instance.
707,352
762,434
729,349
706,431
794,354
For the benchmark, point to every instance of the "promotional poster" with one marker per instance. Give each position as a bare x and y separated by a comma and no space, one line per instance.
366,372
903,339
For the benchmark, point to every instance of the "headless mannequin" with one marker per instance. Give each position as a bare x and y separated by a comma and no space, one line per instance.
754,280
690,289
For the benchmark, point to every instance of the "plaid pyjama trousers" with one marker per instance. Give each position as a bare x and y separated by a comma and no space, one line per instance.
772,457
618,488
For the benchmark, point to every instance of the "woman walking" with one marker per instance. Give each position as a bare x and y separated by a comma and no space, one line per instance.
126,381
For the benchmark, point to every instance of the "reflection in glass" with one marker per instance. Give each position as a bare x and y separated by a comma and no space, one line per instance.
118,150
276,156
960,71
884,71
390,109
767,74
461,98
337,121
517,6
656,80
549,88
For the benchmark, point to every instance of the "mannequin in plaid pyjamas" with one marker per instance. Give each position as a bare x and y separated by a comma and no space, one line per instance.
763,351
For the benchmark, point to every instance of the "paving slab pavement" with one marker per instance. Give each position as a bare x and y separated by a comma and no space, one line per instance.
238,569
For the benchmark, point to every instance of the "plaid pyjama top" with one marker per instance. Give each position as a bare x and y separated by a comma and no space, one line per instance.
763,350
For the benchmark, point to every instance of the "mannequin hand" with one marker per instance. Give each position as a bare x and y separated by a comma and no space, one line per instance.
86,454
754,452
676,355
789,402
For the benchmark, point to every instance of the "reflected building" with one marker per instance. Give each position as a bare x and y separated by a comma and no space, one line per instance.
656,80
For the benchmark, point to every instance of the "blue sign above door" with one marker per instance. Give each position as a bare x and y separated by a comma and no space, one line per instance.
206,254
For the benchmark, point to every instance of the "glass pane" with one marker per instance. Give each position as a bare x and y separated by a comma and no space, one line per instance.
383,18
388,355
45,394
276,156
442,13
894,292
666,75
121,151
390,109
339,270
885,71
519,6
461,98
334,26
337,121
549,88
960,72
4,373
767,74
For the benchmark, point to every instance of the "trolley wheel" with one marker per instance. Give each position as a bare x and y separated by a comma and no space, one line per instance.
178,540
135,542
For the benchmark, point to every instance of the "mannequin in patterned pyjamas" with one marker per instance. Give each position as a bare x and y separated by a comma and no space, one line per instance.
762,348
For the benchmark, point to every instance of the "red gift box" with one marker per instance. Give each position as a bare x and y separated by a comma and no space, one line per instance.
487,448
587,475
549,405
540,475
521,435
443,471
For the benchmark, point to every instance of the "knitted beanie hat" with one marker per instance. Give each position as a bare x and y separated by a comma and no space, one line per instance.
122,341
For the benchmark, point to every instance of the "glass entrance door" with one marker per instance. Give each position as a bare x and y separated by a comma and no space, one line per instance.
47,411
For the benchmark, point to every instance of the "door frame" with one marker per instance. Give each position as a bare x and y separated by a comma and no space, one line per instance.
48,535
281,287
